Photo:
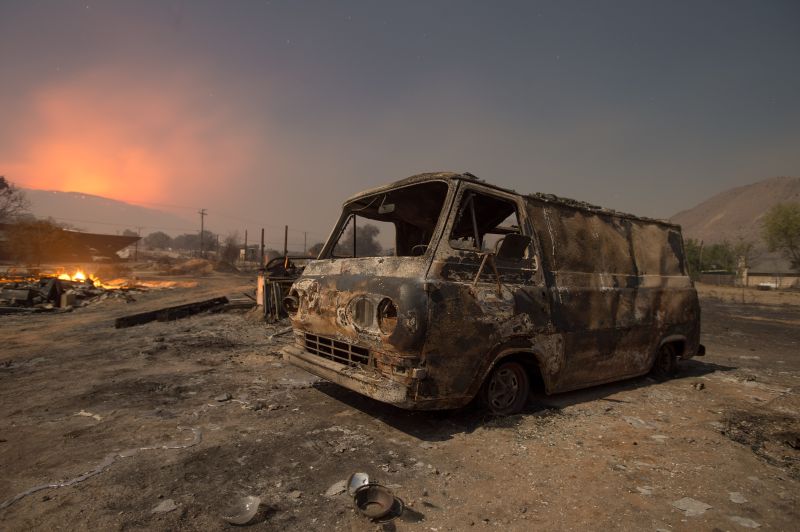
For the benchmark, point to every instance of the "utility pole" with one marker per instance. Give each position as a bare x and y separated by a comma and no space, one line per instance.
285,247
202,213
261,259
305,242
136,249
245,245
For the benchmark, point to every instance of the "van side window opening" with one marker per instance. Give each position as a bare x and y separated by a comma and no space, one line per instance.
482,221
396,223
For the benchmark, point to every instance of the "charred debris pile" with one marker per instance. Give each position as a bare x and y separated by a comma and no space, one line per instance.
25,293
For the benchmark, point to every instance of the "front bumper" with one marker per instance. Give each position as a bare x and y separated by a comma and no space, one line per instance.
368,383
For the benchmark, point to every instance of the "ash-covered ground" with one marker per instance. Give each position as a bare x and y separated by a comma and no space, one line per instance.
195,414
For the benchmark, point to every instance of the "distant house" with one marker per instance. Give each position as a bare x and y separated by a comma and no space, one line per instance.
771,279
249,253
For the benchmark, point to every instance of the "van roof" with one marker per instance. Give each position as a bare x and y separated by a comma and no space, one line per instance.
538,196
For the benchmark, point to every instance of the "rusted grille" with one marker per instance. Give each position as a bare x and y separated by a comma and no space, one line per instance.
341,352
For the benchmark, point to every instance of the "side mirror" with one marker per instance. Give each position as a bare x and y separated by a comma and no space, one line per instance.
513,247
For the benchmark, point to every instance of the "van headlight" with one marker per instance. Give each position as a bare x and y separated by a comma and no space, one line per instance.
292,302
387,316
363,313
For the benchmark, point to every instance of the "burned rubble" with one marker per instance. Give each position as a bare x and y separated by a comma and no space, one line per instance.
274,284
20,293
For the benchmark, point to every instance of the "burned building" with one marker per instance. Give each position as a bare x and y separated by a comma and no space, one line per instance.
39,241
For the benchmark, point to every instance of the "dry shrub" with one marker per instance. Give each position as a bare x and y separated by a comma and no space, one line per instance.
225,267
193,267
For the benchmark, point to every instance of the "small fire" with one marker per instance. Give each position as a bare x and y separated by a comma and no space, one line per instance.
80,277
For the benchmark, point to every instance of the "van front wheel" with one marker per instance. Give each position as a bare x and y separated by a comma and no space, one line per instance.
506,390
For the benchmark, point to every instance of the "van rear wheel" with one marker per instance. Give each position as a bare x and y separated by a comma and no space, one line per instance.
666,364
506,390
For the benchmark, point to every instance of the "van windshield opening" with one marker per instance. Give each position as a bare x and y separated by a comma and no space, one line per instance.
397,223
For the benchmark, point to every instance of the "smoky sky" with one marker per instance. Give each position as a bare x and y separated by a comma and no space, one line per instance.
272,113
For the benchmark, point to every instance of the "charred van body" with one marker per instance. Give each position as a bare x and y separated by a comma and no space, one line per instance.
485,291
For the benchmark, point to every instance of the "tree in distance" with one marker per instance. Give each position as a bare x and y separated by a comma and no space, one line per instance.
12,201
314,250
781,229
366,243
230,248
158,240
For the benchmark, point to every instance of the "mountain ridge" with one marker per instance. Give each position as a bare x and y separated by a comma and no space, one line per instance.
735,214
101,214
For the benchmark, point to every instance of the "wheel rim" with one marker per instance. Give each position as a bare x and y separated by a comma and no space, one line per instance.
503,389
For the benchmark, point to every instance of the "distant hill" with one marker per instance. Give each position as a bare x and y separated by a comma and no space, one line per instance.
103,215
737,212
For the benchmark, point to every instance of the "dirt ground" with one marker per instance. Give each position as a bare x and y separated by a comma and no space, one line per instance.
179,419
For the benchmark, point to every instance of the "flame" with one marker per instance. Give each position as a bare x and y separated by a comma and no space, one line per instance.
81,277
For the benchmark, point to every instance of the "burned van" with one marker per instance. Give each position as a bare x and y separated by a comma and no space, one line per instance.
441,288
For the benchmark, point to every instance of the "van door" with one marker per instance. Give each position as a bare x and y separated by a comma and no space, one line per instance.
490,290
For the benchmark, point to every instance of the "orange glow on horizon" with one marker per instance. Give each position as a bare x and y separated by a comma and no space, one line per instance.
107,135
71,169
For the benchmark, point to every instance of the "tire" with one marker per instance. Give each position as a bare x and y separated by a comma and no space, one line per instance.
665,366
506,389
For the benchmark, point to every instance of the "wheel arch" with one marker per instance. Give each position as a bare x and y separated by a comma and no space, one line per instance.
677,340
529,357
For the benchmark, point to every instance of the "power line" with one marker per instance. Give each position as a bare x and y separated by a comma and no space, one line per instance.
226,215
187,207
275,243
119,224
262,224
